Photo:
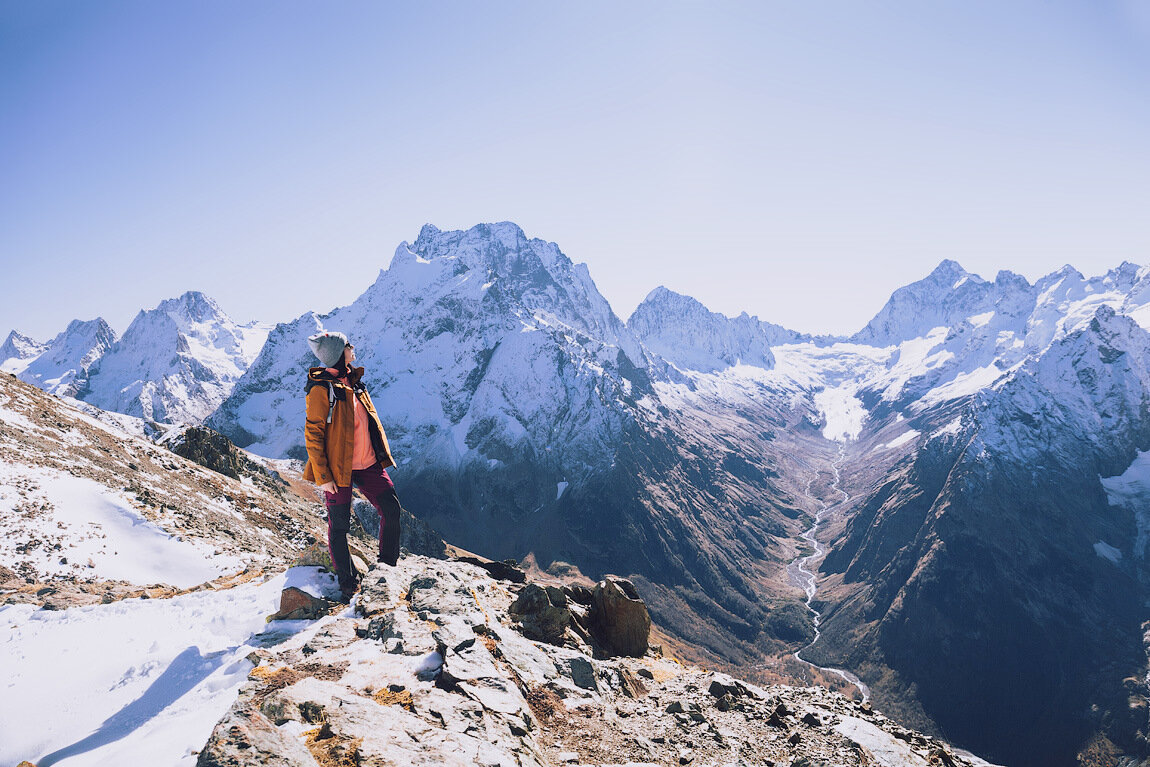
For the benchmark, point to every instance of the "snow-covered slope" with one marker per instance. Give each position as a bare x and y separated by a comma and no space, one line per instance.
86,503
61,365
683,331
175,363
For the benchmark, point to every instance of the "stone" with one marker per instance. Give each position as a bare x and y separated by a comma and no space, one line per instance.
578,594
247,738
530,663
538,617
582,673
299,605
631,685
721,685
619,619
466,663
504,571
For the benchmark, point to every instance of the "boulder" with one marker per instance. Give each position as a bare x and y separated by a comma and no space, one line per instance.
299,605
619,619
539,617
246,737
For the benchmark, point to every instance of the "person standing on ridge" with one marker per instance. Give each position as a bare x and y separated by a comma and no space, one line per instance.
346,446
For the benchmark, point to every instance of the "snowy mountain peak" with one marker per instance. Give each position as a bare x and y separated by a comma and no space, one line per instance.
945,297
950,273
489,343
689,335
18,347
192,306
61,365
175,362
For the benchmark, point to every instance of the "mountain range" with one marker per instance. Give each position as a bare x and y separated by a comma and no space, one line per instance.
974,456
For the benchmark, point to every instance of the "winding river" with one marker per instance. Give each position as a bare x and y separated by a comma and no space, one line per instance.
802,575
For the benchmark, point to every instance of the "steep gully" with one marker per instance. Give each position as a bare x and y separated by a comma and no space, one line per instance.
800,575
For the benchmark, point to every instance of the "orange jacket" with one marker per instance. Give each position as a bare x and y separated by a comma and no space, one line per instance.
330,446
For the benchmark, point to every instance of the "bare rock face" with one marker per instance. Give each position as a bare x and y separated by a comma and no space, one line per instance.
415,535
619,620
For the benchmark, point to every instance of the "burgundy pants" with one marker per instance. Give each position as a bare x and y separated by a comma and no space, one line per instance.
377,487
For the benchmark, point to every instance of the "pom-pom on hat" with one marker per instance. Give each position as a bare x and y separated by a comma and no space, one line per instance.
328,346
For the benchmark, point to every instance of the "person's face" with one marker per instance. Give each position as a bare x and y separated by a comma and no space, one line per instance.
349,354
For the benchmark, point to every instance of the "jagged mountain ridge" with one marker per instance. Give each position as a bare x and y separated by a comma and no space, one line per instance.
684,332
174,363
60,366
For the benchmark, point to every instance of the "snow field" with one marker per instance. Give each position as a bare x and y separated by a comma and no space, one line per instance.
131,682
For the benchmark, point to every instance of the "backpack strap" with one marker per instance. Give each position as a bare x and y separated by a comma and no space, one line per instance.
330,400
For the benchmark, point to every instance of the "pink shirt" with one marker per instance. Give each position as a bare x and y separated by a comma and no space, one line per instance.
363,452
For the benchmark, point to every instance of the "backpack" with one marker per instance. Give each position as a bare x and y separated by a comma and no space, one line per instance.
331,398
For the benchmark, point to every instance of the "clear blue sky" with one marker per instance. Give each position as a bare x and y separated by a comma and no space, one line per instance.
795,160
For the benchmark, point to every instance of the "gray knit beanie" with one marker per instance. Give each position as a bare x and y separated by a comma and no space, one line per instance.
328,346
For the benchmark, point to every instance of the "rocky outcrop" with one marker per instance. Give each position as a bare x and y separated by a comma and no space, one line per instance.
213,450
619,619
429,667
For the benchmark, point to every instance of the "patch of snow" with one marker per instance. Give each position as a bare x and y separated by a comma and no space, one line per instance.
980,320
901,439
561,487
1106,551
954,427
313,580
427,664
963,385
1131,490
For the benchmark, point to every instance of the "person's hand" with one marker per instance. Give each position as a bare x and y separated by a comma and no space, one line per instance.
328,487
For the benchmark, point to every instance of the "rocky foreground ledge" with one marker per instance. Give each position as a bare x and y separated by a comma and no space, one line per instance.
431,667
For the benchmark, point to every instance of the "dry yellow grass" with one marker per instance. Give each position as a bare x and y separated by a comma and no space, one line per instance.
389,698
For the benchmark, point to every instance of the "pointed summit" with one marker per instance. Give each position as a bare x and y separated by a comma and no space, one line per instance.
686,333
16,348
175,362
61,365
947,295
